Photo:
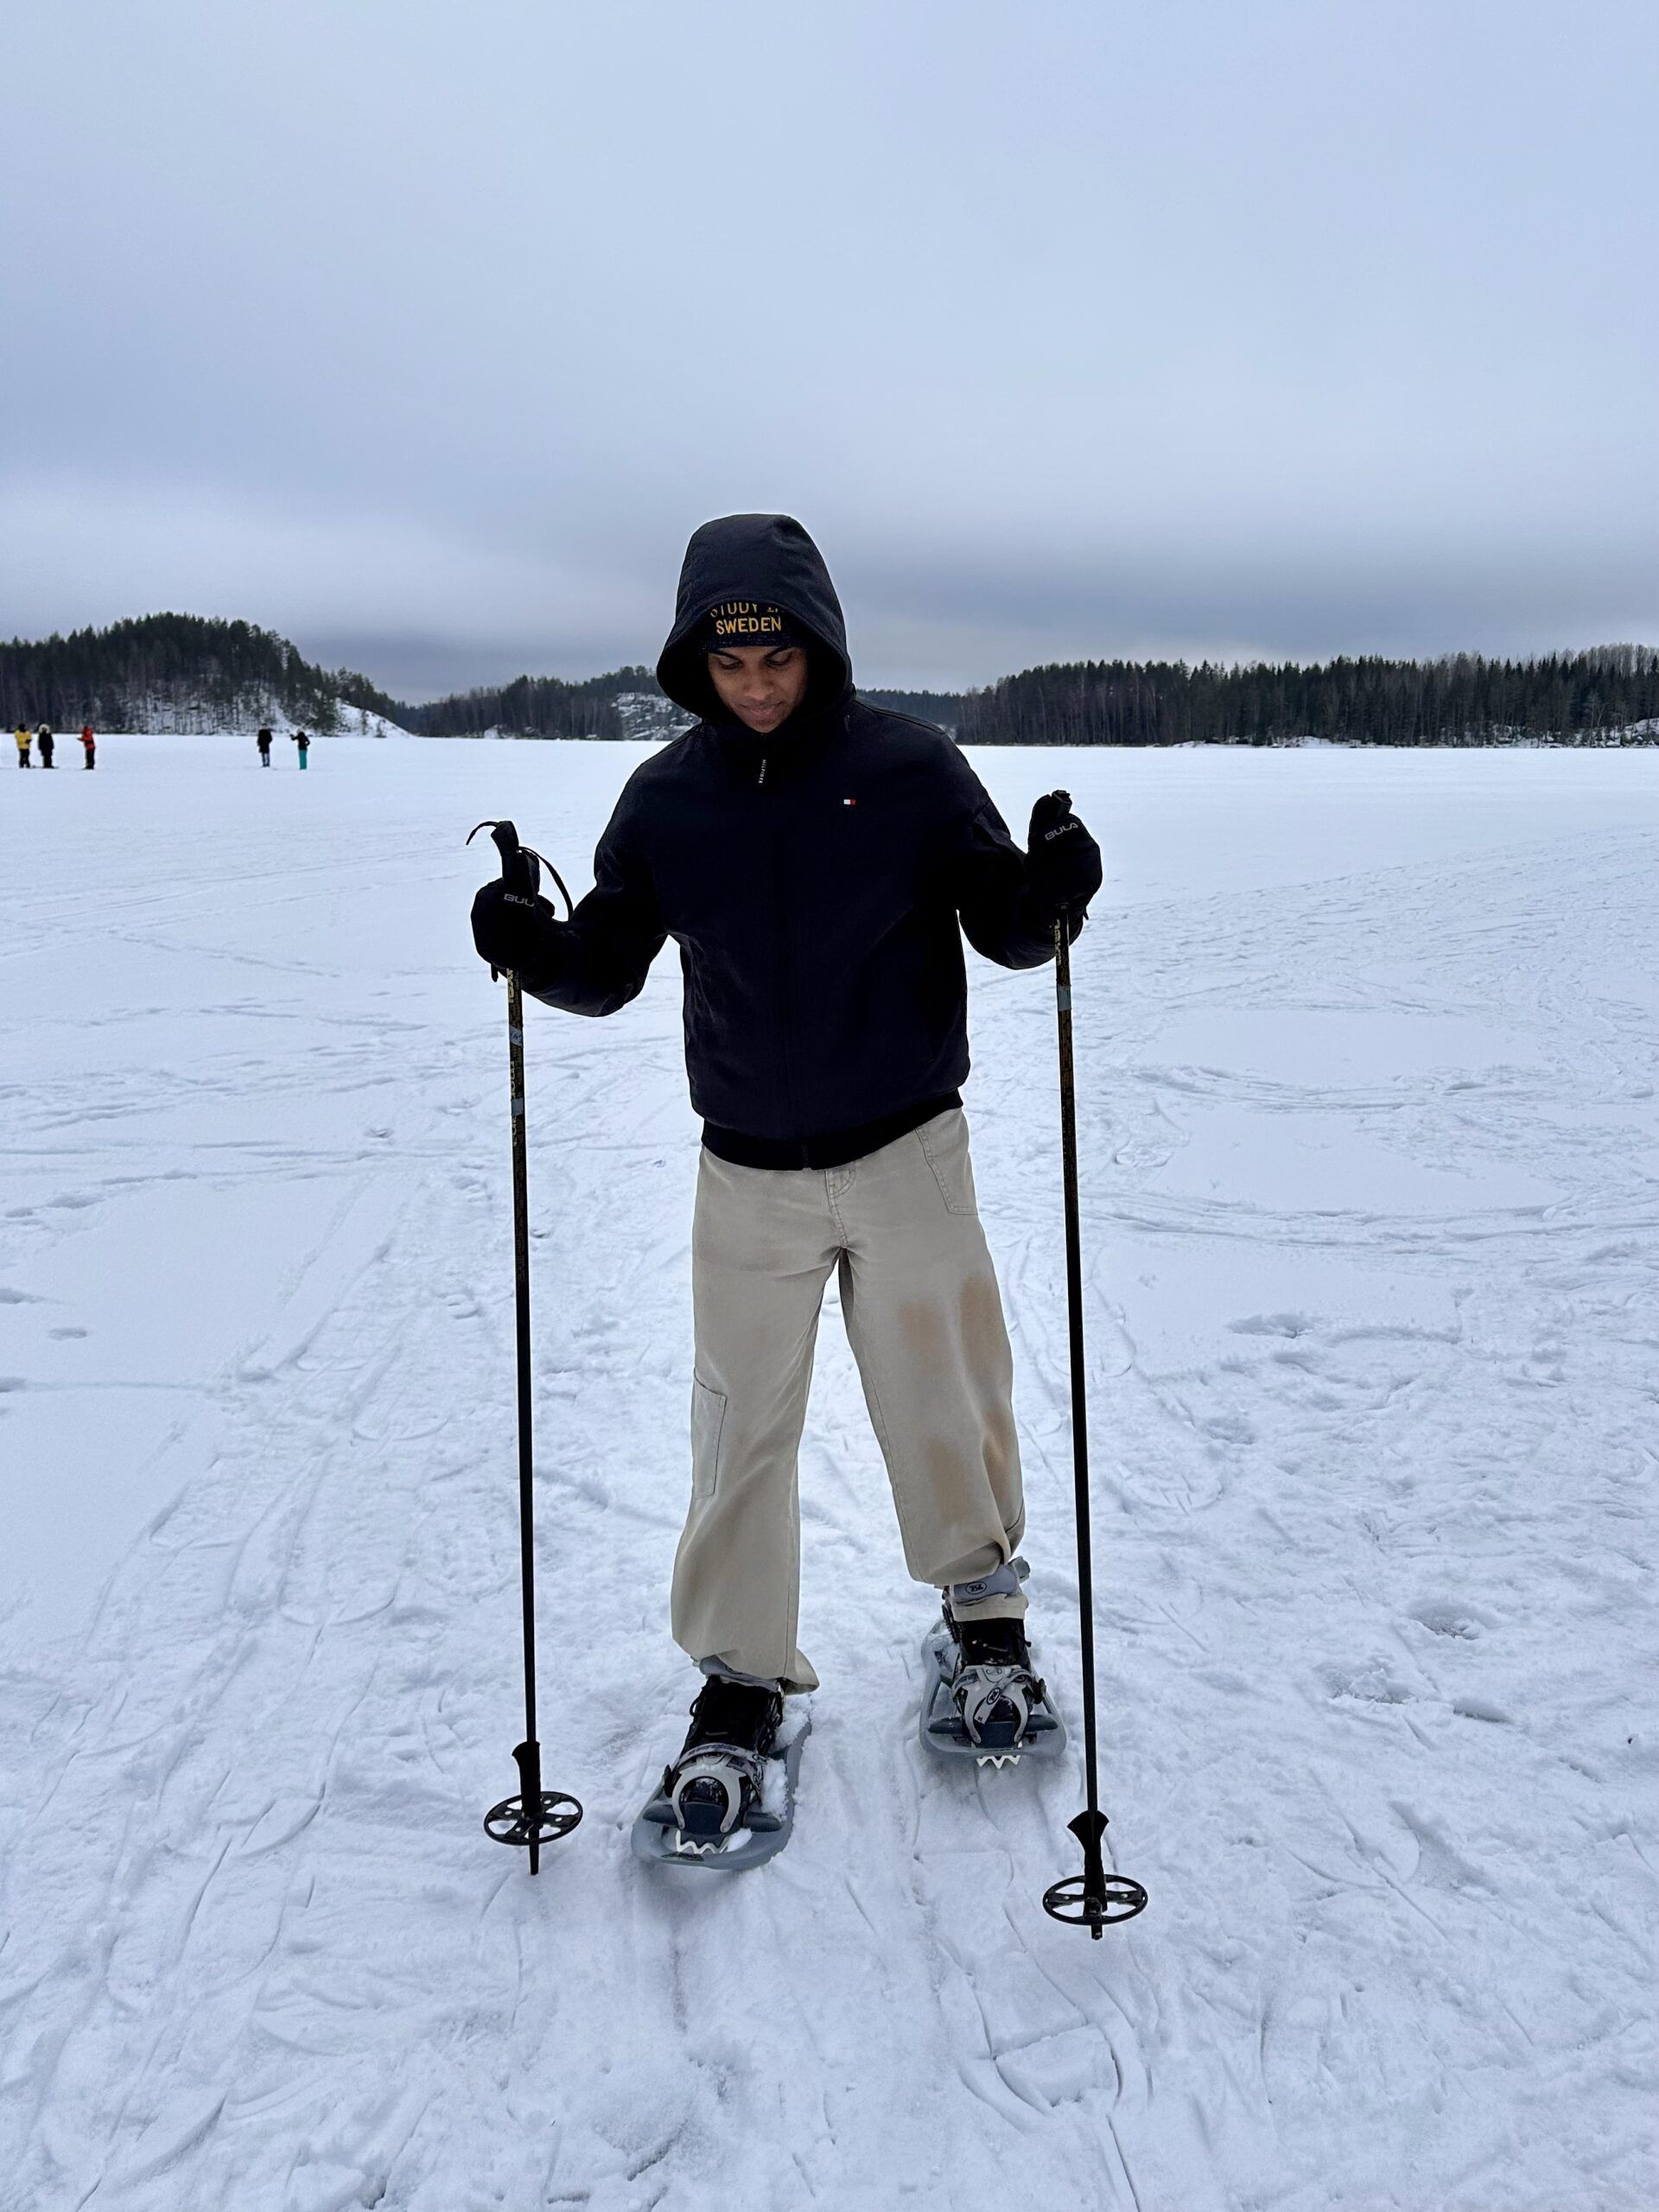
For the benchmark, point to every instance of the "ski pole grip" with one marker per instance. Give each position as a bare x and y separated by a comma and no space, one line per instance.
521,870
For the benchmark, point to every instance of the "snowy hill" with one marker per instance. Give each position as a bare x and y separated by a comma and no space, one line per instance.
196,718
647,715
180,673
1370,1118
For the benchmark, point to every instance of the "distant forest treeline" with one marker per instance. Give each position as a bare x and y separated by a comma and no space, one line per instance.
1568,698
536,706
181,671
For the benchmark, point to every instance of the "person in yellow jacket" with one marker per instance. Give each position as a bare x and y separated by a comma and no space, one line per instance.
22,736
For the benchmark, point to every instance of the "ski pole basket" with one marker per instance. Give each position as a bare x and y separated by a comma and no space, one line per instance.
558,1812
1093,1899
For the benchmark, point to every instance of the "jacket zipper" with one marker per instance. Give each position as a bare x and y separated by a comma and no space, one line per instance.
785,1057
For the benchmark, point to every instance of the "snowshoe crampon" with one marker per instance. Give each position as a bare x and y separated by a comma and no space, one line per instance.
725,1805
982,1700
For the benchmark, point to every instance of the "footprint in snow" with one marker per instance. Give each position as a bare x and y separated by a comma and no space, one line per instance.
1449,1617
1272,1325
1375,1682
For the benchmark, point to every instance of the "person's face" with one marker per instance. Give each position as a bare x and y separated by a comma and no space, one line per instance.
762,688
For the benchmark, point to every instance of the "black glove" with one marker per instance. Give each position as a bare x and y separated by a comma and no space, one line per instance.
515,930
1062,862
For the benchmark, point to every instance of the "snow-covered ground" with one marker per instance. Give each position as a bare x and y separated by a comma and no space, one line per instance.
1372,1192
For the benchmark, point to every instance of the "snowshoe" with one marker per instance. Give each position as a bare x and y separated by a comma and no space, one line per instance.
728,1800
982,1699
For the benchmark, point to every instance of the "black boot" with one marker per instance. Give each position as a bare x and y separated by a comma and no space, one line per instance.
716,1783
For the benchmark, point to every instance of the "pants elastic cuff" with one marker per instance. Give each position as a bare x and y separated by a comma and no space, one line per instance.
797,1683
1000,1608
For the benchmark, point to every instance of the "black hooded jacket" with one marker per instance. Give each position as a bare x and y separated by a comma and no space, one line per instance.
817,881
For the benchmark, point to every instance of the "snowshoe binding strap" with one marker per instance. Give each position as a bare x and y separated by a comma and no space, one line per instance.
994,1689
708,1790
995,1704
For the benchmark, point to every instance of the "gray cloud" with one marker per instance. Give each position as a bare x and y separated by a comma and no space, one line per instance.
428,336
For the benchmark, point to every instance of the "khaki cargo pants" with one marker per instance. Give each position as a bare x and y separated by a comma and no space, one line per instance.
924,1322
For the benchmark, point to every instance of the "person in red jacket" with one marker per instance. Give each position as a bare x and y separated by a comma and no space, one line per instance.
89,745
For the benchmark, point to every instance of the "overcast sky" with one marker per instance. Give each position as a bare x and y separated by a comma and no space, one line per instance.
426,333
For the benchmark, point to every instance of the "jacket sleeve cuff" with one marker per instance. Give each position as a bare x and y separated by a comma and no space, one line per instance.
543,968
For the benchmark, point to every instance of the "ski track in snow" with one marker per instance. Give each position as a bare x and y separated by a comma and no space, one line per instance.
1371,1159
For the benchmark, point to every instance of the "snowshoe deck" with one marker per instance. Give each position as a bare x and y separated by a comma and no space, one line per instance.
942,1728
659,1841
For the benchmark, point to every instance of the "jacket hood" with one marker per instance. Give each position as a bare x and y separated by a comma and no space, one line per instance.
766,557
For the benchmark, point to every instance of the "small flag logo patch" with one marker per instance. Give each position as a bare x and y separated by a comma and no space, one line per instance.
849,802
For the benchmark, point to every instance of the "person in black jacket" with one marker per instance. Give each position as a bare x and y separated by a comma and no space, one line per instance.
817,861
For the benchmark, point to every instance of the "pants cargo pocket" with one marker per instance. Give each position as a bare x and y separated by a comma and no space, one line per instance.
708,1420
945,1141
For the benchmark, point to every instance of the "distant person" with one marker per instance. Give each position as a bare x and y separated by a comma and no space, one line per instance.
304,744
23,743
263,742
89,745
47,744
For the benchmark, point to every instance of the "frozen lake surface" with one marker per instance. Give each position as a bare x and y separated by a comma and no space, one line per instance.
1371,1159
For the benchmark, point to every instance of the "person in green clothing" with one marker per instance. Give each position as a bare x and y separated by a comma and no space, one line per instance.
304,744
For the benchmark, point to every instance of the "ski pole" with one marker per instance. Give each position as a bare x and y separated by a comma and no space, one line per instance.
1093,1899
535,1815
